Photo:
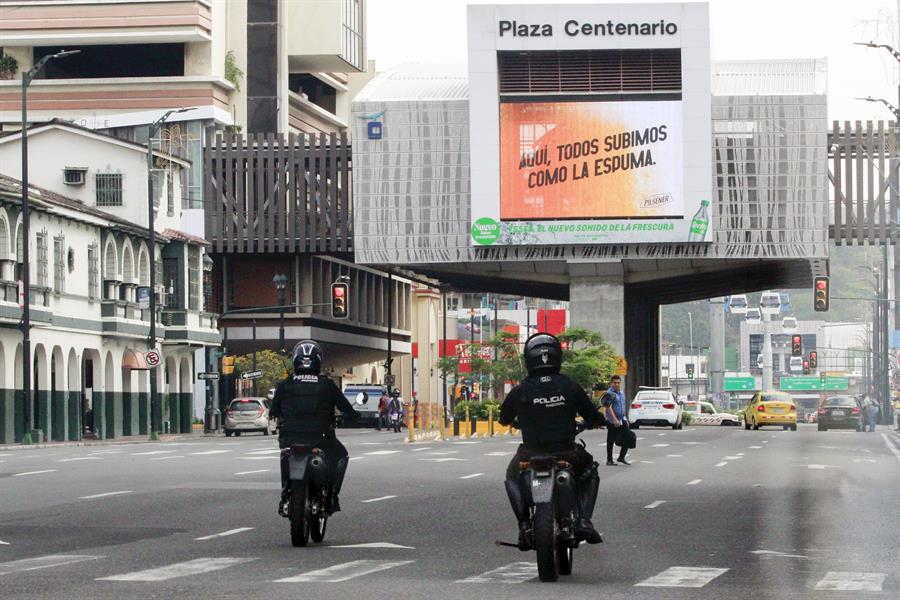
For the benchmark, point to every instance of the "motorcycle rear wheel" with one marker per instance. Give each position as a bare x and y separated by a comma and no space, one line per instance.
545,535
317,527
565,556
299,513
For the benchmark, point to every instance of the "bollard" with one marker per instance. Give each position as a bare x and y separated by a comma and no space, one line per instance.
491,421
468,424
411,420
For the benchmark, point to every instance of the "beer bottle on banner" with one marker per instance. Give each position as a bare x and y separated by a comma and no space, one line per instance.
700,223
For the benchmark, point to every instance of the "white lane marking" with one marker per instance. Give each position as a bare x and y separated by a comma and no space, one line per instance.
690,577
2,543
166,457
817,466
345,571
775,553
721,464
674,455
33,472
268,451
255,457
646,462
379,499
472,476
660,446
739,454
497,453
443,453
43,562
106,452
370,444
765,441
655,504
180,569
866,460
375,545
78,458
153,452
891,446
464,443
735,457
420,449
223,534
847,581
251,472
444,459
517,572
755,447
694,481
661,434
357,457
382,452
209,452
105,494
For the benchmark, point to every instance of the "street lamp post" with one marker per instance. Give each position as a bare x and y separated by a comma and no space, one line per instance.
280,282
25,284
155,408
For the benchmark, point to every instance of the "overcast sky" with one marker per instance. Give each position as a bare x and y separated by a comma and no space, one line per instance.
434,31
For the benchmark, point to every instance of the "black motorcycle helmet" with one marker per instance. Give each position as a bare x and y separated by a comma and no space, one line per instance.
308,357
542,354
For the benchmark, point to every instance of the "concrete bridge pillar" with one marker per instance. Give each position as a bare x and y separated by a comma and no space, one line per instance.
627,320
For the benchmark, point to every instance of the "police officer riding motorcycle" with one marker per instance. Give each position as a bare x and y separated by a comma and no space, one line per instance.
545,405
305,404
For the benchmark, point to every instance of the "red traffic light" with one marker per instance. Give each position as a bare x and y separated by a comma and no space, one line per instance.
339,308
338,291
821,285
821,294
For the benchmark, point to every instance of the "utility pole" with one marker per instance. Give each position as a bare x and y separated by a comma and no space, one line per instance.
767,353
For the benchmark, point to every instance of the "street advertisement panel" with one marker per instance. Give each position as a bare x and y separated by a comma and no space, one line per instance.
590,172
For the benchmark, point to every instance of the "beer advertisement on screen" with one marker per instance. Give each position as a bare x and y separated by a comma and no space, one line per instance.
579,172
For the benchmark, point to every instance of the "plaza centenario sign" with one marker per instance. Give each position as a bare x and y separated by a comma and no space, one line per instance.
574,28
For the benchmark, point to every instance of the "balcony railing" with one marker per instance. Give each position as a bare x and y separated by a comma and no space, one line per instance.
268,193
79,21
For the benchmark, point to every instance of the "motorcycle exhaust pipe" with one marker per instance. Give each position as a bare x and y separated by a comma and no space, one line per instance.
316,462
563,478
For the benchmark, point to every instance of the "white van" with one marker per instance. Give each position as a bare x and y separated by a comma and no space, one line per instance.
655,406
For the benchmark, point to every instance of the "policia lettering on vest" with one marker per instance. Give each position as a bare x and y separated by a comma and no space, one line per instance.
305,405
544,406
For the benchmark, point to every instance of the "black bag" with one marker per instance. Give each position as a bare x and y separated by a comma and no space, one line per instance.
625,437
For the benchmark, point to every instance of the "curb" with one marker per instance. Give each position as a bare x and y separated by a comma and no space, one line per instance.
119,442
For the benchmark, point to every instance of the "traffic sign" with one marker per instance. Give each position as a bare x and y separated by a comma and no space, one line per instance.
814,384
152,358
203,376
389,380
251,375
739,384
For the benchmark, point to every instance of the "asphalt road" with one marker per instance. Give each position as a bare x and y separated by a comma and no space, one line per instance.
733,513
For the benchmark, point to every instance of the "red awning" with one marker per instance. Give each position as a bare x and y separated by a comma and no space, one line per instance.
134,360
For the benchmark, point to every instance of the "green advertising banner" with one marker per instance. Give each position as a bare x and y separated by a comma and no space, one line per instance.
740,384
837,384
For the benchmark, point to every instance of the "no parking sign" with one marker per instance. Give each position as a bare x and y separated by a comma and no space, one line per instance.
152,357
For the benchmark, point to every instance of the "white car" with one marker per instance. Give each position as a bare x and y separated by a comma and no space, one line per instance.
655,406
708,415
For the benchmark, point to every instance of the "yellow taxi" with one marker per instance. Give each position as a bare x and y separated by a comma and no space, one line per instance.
771,408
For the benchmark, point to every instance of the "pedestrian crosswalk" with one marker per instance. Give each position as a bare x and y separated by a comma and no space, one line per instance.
344,570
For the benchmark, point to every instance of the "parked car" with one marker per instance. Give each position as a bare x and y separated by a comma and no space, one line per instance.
705,413
840,412
771,408
656,406
248,414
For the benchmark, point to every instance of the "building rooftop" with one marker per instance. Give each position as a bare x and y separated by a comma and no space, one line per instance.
792,77
418,82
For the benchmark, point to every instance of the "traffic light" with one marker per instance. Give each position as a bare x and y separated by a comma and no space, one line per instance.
813,360
796,345
689,367
339,308
806,367
822,294
227,365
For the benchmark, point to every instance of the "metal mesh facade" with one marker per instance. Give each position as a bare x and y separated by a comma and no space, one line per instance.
411,188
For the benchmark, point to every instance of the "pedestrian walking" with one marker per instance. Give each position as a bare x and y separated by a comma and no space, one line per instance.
613,403
872,410
381,421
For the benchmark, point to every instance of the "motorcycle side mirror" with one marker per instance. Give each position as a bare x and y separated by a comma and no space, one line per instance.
362,398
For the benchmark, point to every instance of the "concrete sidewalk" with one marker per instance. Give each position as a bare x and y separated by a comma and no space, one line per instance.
132,439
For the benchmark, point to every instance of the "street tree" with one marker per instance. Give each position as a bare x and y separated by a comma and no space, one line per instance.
273,365
587,358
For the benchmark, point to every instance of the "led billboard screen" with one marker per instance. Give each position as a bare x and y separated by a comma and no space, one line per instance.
590,160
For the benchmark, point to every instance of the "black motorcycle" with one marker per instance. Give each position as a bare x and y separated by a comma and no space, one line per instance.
310,493
549,488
